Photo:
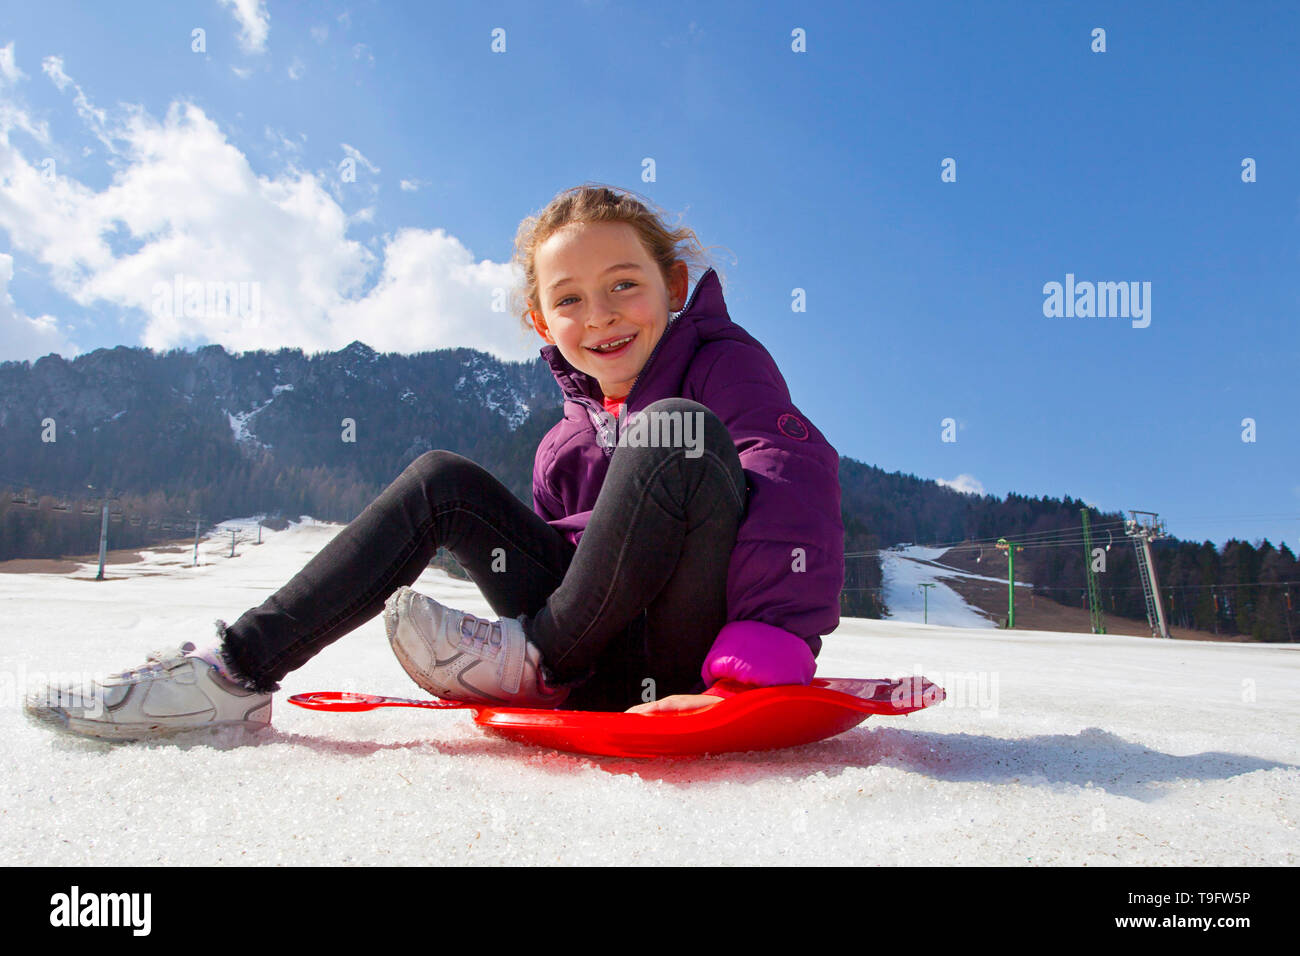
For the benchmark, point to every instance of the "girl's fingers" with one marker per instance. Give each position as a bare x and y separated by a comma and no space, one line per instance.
674,703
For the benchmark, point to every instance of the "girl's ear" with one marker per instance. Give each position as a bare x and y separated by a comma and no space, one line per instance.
539,324
678,285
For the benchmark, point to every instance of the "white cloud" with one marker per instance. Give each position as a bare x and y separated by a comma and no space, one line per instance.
9,72
11,116
410,185
23,338
52,66
94,118
430,278
184,201
254,23
966,484
284,146
356,154
243,72
362,52
320,32
297,68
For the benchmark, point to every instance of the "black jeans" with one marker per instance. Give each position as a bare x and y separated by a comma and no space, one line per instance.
640,599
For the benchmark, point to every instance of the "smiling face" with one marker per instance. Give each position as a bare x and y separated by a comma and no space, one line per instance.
604,302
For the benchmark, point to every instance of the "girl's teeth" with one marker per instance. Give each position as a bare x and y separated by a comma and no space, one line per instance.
613,345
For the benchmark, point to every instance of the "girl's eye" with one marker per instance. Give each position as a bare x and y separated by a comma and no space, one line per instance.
568,297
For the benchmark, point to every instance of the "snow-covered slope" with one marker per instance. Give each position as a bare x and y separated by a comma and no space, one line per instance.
1052,748
903,573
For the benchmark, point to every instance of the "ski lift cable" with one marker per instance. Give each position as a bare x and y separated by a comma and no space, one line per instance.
87,494
1063,542
1066,536
1062,537
1168,587
1021,538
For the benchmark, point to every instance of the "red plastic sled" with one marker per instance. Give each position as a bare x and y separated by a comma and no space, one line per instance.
766,718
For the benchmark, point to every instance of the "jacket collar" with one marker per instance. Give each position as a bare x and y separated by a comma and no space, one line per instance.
704,308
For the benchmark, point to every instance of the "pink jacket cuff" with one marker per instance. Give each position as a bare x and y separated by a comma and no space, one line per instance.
752,652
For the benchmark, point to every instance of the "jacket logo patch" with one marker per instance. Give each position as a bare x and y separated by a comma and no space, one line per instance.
792,426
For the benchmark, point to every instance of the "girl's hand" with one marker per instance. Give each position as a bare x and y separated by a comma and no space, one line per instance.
674,703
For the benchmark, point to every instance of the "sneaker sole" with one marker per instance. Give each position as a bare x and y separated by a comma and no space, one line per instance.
99,730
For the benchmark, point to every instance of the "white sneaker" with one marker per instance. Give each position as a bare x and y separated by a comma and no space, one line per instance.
458,656
171,693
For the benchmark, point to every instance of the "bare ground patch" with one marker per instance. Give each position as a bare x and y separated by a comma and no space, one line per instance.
72,563
1038,613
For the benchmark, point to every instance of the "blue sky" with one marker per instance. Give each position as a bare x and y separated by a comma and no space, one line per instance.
127,157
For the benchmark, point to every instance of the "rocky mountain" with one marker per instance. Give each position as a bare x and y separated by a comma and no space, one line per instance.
132,420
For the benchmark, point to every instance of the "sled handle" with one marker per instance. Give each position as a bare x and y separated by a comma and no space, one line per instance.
865,696
348,701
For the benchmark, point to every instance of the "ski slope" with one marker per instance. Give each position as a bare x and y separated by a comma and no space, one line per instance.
1052,749
903,573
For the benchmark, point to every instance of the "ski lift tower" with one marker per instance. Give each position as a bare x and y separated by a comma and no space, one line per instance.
1144,527
1094,592
1010,547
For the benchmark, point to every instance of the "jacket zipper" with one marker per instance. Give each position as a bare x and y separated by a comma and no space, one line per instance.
598,416
606,436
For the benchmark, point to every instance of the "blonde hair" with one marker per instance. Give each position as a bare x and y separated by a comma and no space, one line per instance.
596,202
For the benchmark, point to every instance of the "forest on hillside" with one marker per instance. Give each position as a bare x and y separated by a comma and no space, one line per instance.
1243,589
172,439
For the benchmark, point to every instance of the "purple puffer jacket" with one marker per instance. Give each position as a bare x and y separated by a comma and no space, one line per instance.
787,568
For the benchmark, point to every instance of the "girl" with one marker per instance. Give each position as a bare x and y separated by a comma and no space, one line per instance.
685,540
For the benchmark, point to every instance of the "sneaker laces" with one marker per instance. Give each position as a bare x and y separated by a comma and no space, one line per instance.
489,638
159,660
481,632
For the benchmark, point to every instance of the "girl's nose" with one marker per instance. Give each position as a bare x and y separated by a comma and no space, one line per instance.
601,315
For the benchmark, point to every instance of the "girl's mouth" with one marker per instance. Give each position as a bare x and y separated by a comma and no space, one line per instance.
613,346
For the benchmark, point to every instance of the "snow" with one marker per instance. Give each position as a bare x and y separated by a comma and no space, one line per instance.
1052,749
239,424
513,409
903,573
